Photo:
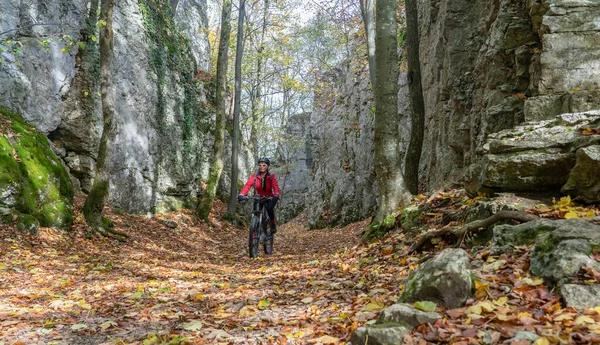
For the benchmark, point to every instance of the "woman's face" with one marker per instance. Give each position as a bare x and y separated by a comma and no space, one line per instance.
262,167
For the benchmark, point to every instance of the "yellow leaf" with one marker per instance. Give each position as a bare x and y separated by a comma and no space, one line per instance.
597,309
502,317
583,319
481,288
474,309
571,215
526,314
564,201
264,303
563,317
487,306
373,306
501,301
541,341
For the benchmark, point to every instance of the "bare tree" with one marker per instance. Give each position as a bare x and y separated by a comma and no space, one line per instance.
413,154
236,108
95,201
366,10
392,187
216,168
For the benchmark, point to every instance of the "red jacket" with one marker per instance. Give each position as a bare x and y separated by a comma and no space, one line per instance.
272,188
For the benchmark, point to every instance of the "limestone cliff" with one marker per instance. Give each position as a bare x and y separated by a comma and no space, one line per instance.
52,80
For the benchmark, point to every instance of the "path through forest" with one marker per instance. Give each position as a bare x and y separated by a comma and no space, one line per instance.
192,283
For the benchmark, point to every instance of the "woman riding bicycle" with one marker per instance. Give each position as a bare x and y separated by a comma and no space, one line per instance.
265,185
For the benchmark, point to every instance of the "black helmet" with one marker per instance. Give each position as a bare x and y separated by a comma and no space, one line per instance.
266,160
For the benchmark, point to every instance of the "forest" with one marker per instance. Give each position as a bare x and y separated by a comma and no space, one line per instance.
342,172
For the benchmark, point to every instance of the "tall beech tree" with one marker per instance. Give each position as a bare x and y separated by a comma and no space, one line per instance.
366,10
393,191
216,168
94,204
415,146
236,108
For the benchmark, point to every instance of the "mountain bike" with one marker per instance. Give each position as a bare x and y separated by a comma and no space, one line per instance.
260,231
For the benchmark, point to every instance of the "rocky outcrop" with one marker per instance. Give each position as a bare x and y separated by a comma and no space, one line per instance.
294,163
341,186
35,188
486,67
518,61
159,103
529,157
445,280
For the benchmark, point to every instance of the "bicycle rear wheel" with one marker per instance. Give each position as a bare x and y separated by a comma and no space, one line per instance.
268,243
253,237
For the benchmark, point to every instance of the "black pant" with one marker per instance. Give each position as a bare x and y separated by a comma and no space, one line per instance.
270,205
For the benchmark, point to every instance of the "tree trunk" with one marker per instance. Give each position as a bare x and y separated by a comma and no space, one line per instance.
258,95
94,204
392,187
366,9
236,109
216,168
413,154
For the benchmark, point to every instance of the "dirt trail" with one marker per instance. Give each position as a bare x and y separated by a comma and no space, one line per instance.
192,283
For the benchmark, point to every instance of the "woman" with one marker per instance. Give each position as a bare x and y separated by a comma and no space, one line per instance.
265,185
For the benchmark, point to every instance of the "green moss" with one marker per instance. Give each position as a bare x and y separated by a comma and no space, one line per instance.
42,185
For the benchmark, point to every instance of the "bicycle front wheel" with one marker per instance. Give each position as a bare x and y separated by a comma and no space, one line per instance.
268,243
253,237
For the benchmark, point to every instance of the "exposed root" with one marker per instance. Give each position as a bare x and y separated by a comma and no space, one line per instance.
461,231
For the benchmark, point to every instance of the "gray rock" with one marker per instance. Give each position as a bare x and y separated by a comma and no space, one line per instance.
391,334
584,178
522,171
445,280
406,314
581,296
561,253
506,236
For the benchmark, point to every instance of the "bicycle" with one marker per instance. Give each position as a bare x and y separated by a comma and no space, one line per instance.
260,231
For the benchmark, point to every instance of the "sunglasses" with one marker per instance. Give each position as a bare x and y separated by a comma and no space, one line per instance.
262,165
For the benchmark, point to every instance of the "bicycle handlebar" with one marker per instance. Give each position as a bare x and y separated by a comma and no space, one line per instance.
256,197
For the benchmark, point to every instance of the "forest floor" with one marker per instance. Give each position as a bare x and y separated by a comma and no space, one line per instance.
195,284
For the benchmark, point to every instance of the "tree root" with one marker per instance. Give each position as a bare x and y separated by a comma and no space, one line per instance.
461,231
110,233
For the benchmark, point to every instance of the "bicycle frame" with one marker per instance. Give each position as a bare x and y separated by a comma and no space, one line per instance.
259,231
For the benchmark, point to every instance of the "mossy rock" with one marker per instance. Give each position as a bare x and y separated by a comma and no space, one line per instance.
22,221
445,279
33,180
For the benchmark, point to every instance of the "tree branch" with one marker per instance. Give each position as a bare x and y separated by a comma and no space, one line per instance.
460,231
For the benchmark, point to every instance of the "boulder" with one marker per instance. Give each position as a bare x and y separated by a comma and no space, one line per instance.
406,314
445,280
390,334
584,178
507,236
562,252
33,181
581,296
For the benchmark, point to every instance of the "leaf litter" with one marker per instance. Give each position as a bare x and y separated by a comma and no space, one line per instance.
195,284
